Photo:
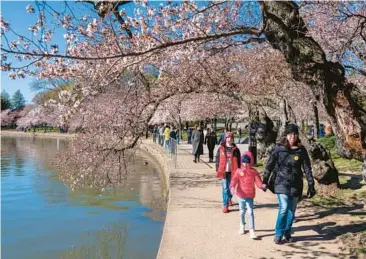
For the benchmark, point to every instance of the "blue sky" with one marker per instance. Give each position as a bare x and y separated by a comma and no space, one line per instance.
14,12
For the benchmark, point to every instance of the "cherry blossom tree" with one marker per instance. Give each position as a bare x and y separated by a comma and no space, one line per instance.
9,117
263,51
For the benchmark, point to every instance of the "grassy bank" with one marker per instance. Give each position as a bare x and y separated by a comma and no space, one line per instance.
342,164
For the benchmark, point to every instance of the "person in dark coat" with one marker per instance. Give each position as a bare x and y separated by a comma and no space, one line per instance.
197,144
288,159
211,141
173,141
189,135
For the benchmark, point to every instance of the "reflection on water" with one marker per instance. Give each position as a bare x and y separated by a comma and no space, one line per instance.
43,217
105,240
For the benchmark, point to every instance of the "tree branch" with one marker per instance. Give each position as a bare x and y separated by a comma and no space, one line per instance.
240,31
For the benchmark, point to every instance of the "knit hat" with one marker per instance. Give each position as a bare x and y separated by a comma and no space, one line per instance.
245,159
228,134
292,128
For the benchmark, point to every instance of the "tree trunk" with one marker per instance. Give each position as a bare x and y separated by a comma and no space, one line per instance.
286,31
231,124
283,118
226,123
180,127
266,134
316,119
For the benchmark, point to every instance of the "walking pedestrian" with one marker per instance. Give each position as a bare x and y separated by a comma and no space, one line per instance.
227,161
197,144
189,135
288,157
211,141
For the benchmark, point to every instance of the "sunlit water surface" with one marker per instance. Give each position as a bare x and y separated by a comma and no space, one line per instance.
42,218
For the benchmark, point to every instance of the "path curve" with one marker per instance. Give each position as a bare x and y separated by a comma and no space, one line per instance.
195,227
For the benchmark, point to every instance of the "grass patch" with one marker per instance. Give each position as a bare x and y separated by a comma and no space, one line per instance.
342,164
343,179
260,166
343,197
327,201
361,251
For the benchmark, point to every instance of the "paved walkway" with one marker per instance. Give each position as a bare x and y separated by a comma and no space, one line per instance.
195,227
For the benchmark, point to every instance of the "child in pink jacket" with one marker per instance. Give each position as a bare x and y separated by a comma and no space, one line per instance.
244,180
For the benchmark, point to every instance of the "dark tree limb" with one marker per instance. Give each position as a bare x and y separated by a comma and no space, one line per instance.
104,7
286,31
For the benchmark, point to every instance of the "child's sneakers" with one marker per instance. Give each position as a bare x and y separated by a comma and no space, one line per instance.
230,202
225,210
252,234
241,230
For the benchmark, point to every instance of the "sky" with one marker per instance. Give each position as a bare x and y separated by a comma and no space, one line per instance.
14,12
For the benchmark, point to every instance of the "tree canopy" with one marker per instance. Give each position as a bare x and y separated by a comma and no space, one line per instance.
257,53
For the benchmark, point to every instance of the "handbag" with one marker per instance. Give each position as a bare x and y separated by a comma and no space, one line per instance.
271,182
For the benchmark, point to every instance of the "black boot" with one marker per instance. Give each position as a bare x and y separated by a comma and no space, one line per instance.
288,238
277,240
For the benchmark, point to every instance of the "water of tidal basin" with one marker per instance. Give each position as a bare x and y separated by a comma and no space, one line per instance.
42,218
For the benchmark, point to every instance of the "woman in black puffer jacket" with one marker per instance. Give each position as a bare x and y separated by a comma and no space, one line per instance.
288,159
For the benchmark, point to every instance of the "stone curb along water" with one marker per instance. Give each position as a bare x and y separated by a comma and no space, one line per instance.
166,168
158,156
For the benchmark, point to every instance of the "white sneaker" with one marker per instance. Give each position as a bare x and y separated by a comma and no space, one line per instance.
241,230
252,234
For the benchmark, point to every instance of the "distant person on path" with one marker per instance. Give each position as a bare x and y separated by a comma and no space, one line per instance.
211,141
205,133
161,135
227,161
189,135
289,158
239,133
312,131
321,131
177,132
166,137
173,141
244,180
222,136
197,144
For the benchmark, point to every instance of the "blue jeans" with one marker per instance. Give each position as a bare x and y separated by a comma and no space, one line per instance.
286,214
166,144
226,195
173,146
246,204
